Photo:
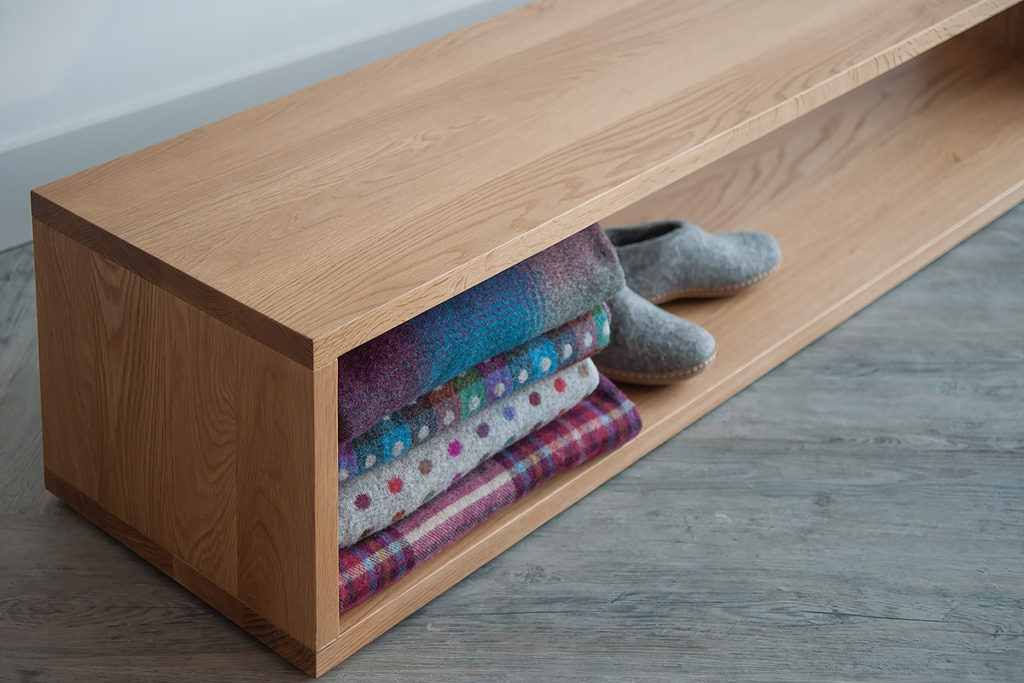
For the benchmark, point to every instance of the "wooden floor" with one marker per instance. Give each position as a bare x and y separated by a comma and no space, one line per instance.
859,512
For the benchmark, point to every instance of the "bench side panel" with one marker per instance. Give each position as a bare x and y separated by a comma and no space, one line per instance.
192,434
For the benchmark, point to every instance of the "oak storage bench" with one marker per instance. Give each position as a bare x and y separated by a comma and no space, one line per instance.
193,297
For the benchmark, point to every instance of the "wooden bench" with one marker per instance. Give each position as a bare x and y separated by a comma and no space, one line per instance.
193,297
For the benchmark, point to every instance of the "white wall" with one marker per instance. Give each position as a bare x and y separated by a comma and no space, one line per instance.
84,81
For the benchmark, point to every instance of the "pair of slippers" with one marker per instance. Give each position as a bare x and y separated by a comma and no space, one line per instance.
668,260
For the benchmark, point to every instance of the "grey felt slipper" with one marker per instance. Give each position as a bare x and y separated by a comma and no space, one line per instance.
674,259
650,345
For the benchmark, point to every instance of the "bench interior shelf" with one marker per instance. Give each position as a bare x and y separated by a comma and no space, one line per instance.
194,296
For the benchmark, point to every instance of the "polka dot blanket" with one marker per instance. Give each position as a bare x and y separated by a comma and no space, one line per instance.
477,388
386,494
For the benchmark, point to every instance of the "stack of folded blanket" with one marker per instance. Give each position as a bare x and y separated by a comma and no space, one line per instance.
457,413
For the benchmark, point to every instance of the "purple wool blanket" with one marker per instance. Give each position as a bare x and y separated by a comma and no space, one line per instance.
467,394
600,423
544,291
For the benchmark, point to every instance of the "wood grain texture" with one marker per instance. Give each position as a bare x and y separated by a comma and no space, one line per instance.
1006,29
840,254
325,507
179,570
244,319
288,495
855,514
342,210
193,435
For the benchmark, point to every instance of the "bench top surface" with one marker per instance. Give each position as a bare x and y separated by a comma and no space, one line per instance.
325,217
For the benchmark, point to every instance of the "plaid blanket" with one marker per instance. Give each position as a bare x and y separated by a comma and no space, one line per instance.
600,423
544,291
467,394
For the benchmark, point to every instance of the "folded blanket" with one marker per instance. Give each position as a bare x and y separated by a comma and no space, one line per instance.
544,291
602,422
472,391
385,494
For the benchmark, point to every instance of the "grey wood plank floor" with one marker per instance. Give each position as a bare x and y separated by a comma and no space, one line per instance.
857,513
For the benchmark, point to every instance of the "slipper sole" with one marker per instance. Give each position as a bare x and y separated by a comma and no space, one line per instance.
712,292
657,378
